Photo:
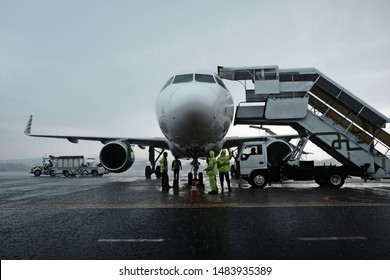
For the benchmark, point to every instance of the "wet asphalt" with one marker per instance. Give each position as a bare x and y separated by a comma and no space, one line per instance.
127,217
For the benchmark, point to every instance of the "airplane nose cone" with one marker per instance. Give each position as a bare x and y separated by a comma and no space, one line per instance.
193,114
193,103
191,96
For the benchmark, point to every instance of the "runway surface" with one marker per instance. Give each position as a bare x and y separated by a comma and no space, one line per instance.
127,217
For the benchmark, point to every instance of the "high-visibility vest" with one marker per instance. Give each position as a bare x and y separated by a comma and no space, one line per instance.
163,165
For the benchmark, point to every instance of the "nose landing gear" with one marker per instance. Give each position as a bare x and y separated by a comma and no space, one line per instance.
194,175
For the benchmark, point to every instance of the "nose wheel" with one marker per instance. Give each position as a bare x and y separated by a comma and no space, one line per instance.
198,178
194,174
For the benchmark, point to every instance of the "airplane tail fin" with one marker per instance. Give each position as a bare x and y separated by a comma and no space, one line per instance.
27,131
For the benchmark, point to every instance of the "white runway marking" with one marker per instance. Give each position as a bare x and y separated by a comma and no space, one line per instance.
132,240
332,238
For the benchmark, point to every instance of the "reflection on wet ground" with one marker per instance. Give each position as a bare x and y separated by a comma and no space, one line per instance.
106,217
124,191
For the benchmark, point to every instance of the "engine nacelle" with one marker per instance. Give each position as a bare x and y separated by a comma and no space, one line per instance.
117,156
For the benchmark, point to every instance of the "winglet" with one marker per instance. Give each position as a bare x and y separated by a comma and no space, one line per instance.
27,131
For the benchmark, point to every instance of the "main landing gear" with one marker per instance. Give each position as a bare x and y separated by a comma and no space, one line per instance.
153,169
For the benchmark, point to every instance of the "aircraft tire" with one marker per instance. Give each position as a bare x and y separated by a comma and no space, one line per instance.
158,172
190,177
200,179
148,172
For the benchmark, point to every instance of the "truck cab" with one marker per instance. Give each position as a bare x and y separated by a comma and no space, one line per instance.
252,161
260,159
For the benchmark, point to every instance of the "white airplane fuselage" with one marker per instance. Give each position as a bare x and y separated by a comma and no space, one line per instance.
194,112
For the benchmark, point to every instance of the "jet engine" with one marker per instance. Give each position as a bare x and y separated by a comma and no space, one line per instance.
117,156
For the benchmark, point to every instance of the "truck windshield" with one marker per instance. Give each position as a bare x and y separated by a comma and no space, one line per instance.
251,150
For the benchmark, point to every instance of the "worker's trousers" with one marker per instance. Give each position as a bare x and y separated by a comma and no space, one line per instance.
164,180
213,183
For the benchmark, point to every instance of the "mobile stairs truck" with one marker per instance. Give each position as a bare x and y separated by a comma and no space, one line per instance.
68,166
320,110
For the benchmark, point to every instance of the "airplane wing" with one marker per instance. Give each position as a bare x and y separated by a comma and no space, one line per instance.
157,142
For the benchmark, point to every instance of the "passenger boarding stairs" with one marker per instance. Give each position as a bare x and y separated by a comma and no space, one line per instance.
338,122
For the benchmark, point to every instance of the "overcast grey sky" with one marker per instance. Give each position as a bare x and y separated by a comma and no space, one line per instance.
91,67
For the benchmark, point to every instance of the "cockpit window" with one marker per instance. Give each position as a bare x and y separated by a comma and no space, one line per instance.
219,81
167,83
186,78
202,78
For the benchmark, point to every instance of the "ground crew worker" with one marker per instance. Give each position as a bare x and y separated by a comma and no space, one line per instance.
212,171
176,167
223,163
164,172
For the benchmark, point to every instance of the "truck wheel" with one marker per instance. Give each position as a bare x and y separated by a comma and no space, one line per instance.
66,173
37,173
94,173
258,180
52,173
335,180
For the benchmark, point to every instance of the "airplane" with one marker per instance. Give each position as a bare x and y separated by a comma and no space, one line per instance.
194,111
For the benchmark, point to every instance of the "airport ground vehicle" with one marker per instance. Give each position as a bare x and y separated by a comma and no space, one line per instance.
320,110
263,162
68,166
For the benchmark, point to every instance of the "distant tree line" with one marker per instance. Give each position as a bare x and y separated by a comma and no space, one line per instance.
6,167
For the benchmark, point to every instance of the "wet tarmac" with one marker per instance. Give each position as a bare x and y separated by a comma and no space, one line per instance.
127,217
